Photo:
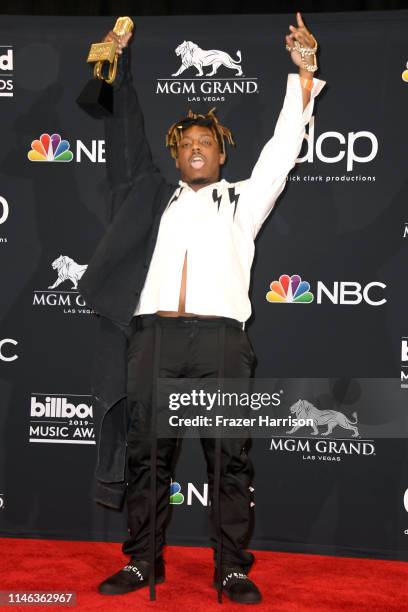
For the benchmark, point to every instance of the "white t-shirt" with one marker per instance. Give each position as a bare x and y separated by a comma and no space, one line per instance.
217,225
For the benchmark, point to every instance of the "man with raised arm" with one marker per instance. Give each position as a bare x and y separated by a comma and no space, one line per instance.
170,282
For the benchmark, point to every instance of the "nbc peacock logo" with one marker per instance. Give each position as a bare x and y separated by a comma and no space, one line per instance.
290,290
50,149
176,497
404,75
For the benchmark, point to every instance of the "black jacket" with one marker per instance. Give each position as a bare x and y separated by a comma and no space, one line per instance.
116,273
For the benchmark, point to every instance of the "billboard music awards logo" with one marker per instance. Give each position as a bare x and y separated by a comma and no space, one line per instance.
67,272
61,419
2,506
206,86
6,71
52,148
404,362
293,290
321,448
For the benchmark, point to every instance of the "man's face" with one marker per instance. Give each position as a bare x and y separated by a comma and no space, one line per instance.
199,157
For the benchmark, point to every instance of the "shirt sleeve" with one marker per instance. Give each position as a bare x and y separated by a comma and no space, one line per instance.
279,154
128,154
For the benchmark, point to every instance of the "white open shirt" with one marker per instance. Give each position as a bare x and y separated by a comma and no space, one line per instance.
217,225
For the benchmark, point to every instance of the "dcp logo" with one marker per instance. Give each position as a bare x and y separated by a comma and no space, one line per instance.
347,146
4,210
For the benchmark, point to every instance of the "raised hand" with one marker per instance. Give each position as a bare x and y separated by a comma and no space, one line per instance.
122,41
302,45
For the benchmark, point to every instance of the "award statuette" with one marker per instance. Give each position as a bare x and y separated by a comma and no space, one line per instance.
97,96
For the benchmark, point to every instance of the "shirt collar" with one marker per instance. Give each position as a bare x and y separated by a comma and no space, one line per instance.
212,185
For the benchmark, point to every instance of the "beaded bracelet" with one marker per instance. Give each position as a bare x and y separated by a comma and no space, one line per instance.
306,51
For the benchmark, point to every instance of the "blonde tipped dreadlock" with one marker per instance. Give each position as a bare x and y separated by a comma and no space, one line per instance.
219,131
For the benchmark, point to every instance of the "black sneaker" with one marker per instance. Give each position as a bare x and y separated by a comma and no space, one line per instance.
135,575
237,586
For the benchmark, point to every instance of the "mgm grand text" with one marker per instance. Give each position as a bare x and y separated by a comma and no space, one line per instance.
206,88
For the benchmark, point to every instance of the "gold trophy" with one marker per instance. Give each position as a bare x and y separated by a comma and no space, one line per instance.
97,96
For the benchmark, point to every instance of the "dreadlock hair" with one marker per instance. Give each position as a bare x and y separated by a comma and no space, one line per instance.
220,132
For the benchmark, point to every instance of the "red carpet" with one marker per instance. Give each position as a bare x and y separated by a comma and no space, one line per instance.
289,582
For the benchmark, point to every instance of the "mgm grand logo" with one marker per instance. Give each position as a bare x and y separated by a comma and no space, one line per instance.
63,292
323,448
208,86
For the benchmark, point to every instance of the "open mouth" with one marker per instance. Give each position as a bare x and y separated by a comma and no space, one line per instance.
197,162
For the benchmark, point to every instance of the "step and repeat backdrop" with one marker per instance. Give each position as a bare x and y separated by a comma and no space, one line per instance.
341,225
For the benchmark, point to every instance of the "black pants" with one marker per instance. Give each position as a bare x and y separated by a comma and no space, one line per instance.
189,347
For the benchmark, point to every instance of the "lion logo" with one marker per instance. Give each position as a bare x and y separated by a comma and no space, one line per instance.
305,410
192,55
68,269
